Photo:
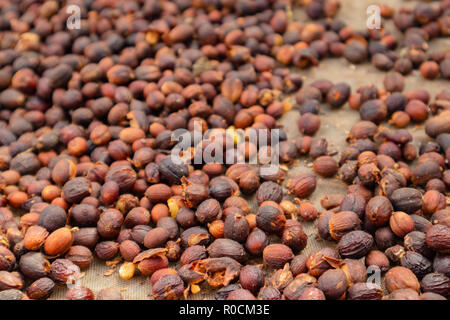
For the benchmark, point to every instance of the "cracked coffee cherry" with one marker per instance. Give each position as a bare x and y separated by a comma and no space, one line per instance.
321,260
168,287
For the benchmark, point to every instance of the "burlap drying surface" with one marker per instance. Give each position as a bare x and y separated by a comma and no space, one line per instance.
334,127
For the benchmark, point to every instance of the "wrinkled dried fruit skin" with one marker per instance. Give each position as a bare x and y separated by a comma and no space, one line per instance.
12,294
34,265
323,225
169,287
236,227
401,223
401,278
294,236
106,250
241,294
426,171
408,200
417,263
415,241
302,185
222,293
64,271
35,238
269,293
52,217
395,253
172,171
25,163
402,294
269,191
440,217
436,283
342,223
76,189
192,254
87,237
208,211
378,259
433,201
109,223
256,241
379,210
161,273
276,255
391,181
79,293
7,259
149,265
281,278
80,255
312,293
298,264
355,203
441,263
84,215
156,237
10,280
194,194
431,296
354,270
41,289
227,248
189,275
438,238
438,125
365,291
420,223
295,289
333,283
270,217
124,176
251,278
385,238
